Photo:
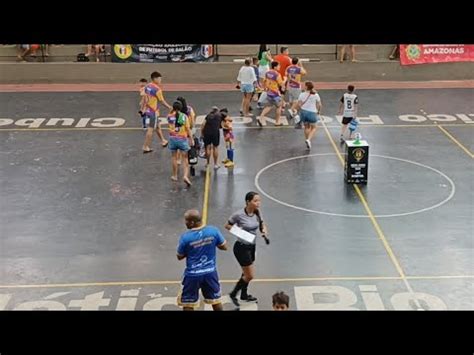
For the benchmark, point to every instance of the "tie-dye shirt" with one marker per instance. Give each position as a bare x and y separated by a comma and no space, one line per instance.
293,72
273,81
153,94
178,132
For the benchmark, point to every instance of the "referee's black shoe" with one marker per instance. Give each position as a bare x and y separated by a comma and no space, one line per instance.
234,300
248,298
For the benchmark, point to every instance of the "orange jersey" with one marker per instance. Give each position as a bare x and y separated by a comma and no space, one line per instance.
285,62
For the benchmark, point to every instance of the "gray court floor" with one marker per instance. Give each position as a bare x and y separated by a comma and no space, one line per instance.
89,222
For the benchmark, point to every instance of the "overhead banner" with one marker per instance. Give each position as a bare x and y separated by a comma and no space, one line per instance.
435,53
162,53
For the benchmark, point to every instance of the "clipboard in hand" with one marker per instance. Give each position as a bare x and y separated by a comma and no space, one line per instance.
243,236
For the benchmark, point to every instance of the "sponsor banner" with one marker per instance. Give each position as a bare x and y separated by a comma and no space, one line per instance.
435,53
162,53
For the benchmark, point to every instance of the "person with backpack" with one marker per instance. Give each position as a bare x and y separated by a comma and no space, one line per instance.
180,140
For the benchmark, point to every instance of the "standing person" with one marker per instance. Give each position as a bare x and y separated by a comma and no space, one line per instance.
22,51
349,103
246,81
395,53
265,58
180,140
250,220
143,82
45,48
280,301
343,51
228,138
294,73
198,246
95,49
188,111
258,88
272,84
284,59
210,132
353,126
309,103
154,94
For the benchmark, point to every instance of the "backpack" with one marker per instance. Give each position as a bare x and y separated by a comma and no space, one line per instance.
193,152
81,57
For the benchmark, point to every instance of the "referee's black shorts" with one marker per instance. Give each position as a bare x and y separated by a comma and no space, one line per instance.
244,253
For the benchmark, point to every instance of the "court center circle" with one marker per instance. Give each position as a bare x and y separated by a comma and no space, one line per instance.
436,205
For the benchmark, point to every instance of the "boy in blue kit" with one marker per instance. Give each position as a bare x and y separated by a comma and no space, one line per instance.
198,245
353,126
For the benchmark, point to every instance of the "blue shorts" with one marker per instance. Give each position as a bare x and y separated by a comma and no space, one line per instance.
151,118
247,88
207,283
308,117
275,100
178,144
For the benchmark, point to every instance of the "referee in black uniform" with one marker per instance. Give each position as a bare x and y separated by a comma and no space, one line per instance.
250,220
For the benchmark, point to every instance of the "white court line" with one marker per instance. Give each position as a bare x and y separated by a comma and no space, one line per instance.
257,184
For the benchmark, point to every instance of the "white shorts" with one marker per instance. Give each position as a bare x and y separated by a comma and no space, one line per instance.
262,70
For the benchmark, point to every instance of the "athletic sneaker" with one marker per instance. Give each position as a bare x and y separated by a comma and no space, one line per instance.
234,300
249,298
229,164
217,167
259,122
308,144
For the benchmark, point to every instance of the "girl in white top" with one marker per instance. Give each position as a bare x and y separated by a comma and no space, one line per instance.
246,82
309,103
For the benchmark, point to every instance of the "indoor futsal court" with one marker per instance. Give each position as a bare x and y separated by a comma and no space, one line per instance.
89,222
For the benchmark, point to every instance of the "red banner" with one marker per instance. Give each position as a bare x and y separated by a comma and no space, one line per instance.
435,53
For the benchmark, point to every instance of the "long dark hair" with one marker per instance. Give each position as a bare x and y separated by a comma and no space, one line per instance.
183,102
177,107
249,197
263,48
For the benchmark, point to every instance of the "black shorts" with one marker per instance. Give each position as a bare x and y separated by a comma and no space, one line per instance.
212,139
346,120
244,253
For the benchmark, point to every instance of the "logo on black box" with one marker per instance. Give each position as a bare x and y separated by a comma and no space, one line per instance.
358,154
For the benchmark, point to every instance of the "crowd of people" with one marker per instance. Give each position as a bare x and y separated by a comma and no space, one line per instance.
31,50
275,83
262,62
98,51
